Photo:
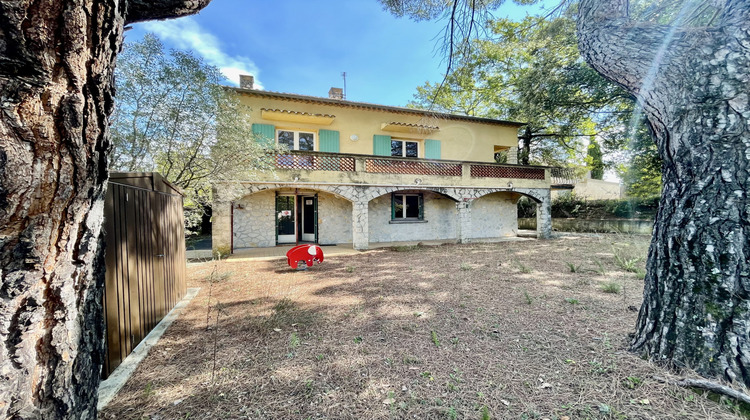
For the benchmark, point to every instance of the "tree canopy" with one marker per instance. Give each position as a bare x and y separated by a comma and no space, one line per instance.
174,116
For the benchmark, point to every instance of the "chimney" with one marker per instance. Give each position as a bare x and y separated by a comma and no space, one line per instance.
336,93
246,81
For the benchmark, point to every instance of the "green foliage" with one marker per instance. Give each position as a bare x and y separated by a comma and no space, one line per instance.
173,116
611,287
571,205
435,338
594,160
530,71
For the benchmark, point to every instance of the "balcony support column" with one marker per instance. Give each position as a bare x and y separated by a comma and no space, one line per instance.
464,221
360,225
544,214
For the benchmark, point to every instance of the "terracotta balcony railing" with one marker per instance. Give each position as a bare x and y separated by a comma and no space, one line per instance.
368,168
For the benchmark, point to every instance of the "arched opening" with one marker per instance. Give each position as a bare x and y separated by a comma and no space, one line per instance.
528,212
494,216
280,216
412,215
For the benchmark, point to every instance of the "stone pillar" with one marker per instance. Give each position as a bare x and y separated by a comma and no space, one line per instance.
513,155
221,222
544,215
464,221
360,225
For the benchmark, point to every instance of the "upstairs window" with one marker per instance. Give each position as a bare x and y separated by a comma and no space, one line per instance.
296,140
404,148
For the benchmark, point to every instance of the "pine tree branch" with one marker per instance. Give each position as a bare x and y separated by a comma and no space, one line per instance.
142,10
707,385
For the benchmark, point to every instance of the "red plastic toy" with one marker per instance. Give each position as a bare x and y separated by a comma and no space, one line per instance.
304,253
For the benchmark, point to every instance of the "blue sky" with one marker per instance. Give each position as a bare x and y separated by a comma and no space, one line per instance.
303,46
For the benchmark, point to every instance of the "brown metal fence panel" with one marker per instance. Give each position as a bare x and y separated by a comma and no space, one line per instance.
145,258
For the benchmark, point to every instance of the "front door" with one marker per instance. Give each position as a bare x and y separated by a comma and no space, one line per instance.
286,232
309,219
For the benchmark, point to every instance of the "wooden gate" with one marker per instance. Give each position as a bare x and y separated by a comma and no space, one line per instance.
145,259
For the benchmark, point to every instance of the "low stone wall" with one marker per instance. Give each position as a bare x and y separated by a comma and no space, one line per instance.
597,226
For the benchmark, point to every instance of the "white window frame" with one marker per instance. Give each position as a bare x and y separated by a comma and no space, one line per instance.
296,137
403,147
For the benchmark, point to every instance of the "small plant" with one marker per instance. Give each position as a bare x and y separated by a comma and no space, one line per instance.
350,269
452,413
600,268
293,340
357,339
454,341
572,267
632,382
466,267
319,357
640,273
149,390
572,301
527,297
485,413
522,268
428,375
435,339
627,263
611,287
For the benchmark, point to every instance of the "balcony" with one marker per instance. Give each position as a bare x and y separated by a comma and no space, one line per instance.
386,170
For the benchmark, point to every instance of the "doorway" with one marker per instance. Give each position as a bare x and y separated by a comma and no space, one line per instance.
296,218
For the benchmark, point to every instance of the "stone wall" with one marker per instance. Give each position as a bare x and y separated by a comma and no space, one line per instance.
439,224
254,223
334,220
494,216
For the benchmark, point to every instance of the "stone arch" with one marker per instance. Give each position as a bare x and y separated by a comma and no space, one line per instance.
371,193
246,189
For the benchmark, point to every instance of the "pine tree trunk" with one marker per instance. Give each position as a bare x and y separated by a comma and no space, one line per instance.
693,86
56,82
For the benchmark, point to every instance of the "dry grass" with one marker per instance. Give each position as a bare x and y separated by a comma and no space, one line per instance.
467,332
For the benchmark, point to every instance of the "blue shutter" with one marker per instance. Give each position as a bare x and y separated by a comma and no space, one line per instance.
329,141
265,134
432,149
381,145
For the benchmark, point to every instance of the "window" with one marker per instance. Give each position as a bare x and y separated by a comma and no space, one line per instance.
407,207
404,148
296,140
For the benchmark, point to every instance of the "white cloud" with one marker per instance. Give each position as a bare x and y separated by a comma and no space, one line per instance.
186,34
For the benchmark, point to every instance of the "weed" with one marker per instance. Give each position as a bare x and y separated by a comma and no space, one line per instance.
454,341
640,273
626,263
452,413
600,268
466,267
632,382
572,301
572,267
350,269
428,375
149,390
357,339
527,297
435,339
485,413
600,368
611,287
320,357
522,268
411,360
293,340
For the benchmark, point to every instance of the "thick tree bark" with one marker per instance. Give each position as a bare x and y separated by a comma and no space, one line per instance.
693,86
56,82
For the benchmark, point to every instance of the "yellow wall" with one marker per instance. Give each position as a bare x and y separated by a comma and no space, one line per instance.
460,139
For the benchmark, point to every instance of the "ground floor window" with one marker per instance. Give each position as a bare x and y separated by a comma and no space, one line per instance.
407,206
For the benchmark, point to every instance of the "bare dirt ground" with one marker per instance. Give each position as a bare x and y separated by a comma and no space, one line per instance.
513,330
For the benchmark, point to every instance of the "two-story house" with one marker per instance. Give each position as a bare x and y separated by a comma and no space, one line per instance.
359,173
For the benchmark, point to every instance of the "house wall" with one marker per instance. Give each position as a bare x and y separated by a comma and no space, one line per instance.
439,212
494,216
254,223
460,139
255,226
594,189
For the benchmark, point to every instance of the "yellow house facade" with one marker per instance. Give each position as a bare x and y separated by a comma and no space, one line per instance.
363,173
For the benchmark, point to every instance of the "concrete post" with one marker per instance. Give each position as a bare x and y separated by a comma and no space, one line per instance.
544,215
221,226
464,221
360,225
